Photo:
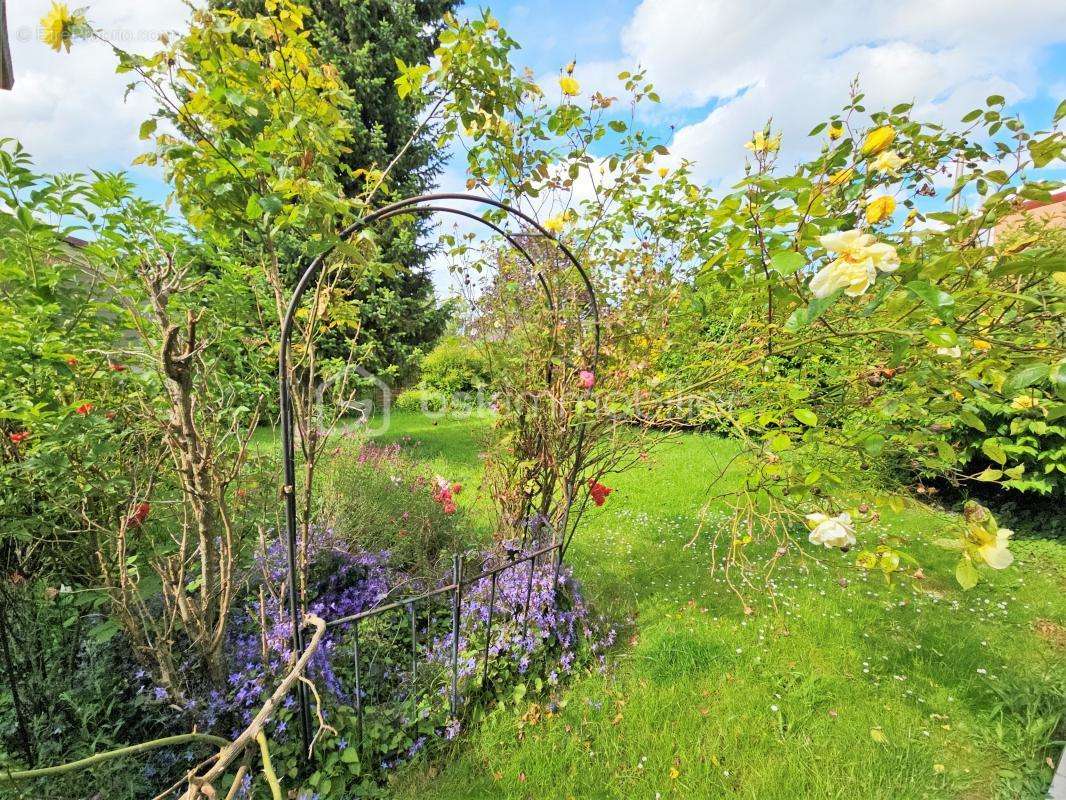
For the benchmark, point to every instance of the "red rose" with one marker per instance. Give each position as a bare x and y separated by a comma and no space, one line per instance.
19,437
598,492
84,409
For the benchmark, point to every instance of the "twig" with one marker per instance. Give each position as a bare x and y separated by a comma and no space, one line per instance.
96,758
235,748
268,767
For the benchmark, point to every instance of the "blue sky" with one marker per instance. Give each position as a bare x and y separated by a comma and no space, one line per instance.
721,66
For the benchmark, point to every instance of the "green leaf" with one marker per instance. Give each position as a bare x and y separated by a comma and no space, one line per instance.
804,316
1060,112
779,443
946,452
806,416
932,296
271,203
972,420
1024,377
990,475
994,450
874,444
252,210
942,337
1057,373
148,127
519,692
787,262
966,574
1044,151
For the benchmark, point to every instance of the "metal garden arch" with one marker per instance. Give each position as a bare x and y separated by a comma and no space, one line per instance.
419,204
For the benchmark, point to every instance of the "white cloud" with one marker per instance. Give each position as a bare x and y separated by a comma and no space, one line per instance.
794,61
67,109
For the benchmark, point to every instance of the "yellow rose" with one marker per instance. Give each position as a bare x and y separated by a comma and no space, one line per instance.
992,547
888,162
880,208
981,344
836,130
570,86
1024,402
761,143
854,277
838,178
859,258
878,139
555,224
58,26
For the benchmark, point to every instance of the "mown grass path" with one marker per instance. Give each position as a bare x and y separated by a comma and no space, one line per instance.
864,690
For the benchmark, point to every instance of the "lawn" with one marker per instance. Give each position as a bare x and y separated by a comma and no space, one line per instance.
850,689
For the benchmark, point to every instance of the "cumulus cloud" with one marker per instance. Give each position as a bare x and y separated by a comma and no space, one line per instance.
793,61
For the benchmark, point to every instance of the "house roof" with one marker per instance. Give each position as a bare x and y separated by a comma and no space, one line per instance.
1029,205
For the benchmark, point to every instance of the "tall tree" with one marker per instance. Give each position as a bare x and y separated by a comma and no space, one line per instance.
363,39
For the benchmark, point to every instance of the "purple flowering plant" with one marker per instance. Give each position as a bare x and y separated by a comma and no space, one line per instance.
405,683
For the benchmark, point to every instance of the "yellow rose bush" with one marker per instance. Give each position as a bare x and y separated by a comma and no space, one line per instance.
846,315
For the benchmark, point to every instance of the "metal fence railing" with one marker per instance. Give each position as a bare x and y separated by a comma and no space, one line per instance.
491,568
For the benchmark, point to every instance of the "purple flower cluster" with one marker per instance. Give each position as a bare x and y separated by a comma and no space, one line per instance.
552,632
342,583
541,626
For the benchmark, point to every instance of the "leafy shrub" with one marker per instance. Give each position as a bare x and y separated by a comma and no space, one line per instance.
78,700
1022,441
57,452
454,365
420,400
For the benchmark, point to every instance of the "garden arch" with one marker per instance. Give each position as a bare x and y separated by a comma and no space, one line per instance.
424,204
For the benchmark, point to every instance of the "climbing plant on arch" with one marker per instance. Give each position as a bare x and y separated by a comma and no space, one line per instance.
551,481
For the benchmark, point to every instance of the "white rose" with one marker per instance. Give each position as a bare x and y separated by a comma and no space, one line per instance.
854,277
831,531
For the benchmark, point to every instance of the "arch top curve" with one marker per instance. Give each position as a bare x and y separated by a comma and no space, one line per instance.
426,203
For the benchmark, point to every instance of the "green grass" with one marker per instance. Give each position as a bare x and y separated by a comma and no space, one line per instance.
916,690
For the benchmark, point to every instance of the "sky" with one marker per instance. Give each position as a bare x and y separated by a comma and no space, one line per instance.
722,67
